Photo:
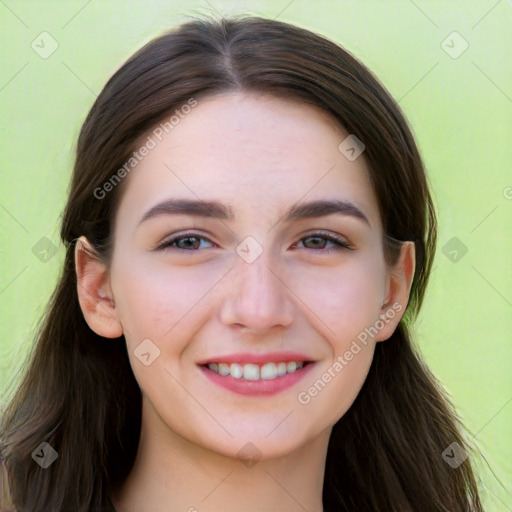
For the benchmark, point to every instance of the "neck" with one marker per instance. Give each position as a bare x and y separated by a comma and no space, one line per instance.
171,473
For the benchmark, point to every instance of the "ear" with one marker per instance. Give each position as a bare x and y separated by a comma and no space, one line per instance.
398,290
94,293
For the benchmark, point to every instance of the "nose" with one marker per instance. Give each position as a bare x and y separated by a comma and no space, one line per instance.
259,300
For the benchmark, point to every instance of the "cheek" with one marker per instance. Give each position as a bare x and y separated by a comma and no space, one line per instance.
343,299
162,305
153,300
347,315
332,391
348,303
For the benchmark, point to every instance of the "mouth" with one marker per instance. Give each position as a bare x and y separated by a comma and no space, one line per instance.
253,372
256,374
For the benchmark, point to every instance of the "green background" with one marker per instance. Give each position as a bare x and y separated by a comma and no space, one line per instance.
460,110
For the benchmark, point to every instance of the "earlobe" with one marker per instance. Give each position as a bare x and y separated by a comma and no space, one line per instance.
94,292
400,282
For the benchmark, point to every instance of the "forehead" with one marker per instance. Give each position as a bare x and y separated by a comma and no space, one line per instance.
254,152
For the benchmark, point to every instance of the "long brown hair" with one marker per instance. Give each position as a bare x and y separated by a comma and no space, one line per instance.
79,393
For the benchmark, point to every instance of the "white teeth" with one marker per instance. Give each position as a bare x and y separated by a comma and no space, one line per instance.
281,369
268,371
223,368
251,372
235,370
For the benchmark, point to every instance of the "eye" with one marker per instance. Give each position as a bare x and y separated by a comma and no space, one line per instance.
319,241
187,241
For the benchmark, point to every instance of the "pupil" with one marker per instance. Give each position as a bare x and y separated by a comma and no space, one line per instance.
187,240
316,240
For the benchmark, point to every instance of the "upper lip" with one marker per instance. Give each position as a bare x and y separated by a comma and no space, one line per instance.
268,357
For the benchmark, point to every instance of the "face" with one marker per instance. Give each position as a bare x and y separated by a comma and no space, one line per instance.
253,286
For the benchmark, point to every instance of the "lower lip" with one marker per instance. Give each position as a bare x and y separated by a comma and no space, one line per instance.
257,387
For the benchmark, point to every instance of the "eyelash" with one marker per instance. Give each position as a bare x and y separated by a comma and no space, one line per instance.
340,242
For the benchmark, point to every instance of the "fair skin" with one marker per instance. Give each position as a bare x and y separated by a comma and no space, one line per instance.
259,156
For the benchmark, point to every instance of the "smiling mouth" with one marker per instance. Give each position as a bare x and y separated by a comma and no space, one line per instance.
250,371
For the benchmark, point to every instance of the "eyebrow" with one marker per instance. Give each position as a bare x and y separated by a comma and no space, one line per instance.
216,210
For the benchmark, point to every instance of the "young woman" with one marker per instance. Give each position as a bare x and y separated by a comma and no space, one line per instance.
249,237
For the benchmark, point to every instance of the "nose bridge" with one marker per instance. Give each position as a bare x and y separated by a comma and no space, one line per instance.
259,299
